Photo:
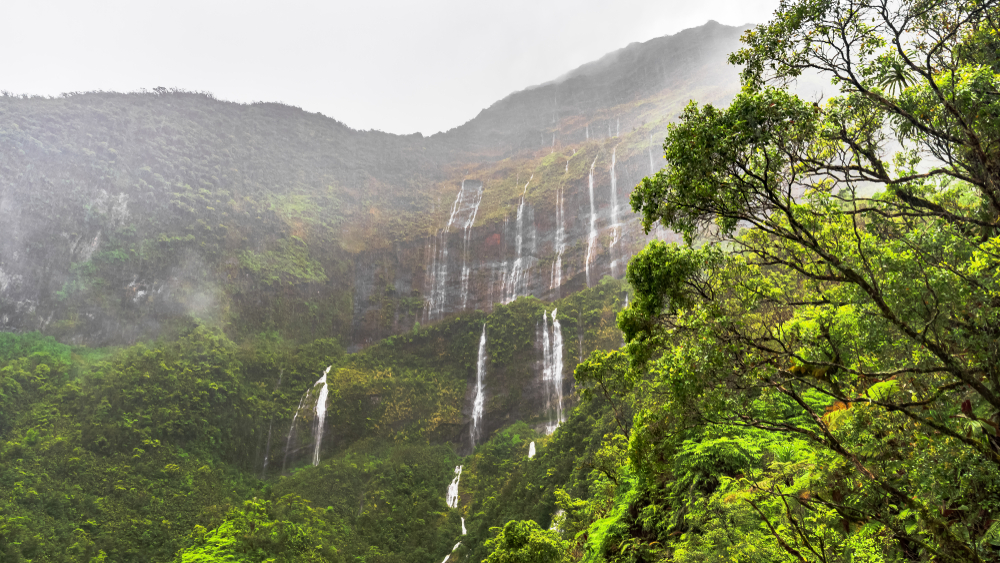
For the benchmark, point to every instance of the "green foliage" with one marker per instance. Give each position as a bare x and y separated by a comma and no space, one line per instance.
289,263
525,542
261,531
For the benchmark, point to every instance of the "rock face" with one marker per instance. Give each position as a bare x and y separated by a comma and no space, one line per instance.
121,214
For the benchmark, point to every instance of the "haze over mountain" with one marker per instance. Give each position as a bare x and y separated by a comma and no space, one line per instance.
124,211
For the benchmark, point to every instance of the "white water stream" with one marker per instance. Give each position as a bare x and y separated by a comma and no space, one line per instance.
291,430
552,370
652,169
531,454
556,276
452,496
465,244
592,239
320,414
516,279
477,404
616,228
463,211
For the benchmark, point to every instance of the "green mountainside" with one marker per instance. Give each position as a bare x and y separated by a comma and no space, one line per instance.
798,363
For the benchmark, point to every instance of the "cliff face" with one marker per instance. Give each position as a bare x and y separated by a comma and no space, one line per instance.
122,213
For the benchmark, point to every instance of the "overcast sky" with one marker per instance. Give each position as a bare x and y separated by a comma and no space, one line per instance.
396,66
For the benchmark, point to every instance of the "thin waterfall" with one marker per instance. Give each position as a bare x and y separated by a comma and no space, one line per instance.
465,244
556,277
516,278
552,369
463,527
320,413
477,404
531,452
463,211
557,365
270,427
618,126
452,496
446,557
588,131
615,225
652,169
592,239
439,268
291,430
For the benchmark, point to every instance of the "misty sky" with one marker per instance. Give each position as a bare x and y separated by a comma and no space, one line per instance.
390,65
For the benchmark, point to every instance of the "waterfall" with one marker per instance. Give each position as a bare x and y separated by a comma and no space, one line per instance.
463,526
556,277
615,226
477,404
291,430
439,267
592,239
652,169
531,452
446,557
452,497
515,280
555,521
320,414
463,211
465,244
270,427
552,371
618,126
588,131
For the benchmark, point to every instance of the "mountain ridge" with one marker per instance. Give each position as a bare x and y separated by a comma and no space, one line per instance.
127,211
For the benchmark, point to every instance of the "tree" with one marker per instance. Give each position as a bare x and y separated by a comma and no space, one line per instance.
865,326
524,541
262,531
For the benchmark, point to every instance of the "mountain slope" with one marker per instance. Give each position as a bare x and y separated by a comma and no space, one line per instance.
124,213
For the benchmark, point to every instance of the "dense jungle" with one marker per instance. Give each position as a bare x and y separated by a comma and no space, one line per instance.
246,333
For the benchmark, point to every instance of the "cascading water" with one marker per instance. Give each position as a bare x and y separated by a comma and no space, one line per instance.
452,496
516,279
463,527
556,278
270,427
588,131
592,239
618,127
463,212
291,430
531,454
477,404
439,266
446,557
478,198
552,370
652,169
615,225
320,414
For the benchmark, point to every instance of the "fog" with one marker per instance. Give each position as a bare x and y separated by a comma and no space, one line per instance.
396,66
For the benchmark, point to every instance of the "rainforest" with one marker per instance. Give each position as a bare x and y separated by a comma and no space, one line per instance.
673,306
